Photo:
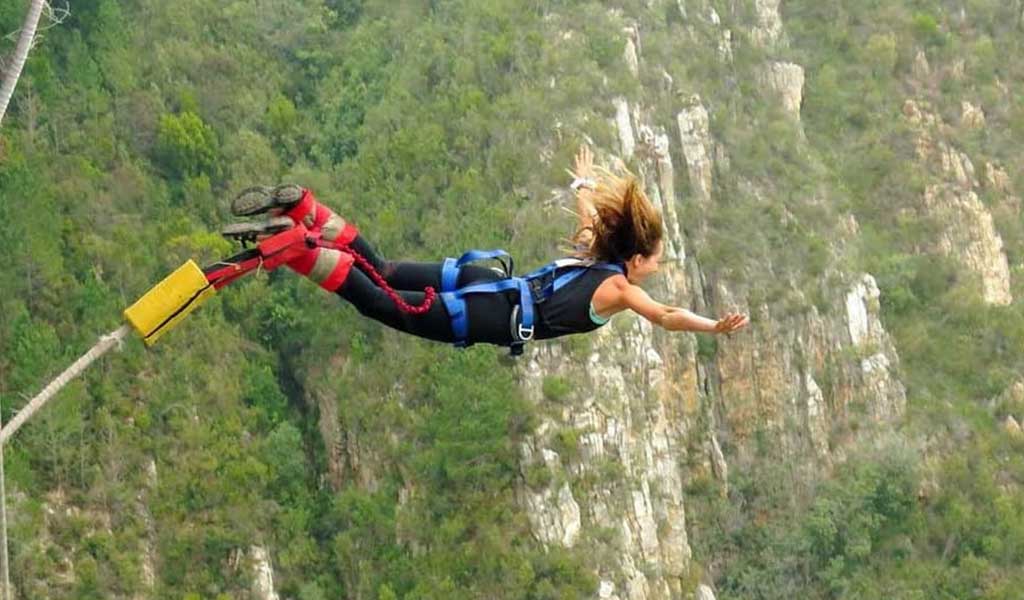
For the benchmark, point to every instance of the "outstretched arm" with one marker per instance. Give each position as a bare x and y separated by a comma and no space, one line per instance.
674,318
681,319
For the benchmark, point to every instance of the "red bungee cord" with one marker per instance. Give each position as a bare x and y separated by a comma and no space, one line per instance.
223,273
402,305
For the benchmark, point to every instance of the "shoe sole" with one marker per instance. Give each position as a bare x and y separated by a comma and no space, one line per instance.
249,231
261,199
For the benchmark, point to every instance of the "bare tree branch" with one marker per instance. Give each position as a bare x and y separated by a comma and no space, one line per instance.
28,34
55,15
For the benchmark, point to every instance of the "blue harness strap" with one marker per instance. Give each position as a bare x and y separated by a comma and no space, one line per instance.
453,298
532,287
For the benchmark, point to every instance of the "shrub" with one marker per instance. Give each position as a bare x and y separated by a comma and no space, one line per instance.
556,388
186,145
926,29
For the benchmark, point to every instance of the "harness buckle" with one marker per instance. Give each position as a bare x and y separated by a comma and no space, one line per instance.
312,241
537,287
525,333
520,334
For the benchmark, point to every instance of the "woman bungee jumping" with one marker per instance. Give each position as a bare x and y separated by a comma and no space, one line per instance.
618,244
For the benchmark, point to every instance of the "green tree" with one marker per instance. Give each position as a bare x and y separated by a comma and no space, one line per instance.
186,145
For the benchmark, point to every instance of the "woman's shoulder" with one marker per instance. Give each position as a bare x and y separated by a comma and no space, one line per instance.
609,297
610,291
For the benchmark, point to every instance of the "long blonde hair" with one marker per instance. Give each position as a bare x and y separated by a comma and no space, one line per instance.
626,223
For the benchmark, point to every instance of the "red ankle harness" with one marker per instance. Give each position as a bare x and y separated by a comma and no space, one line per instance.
294,243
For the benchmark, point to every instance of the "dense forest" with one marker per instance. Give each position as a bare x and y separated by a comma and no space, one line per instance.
438,126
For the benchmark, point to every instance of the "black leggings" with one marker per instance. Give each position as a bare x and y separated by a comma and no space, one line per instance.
489,314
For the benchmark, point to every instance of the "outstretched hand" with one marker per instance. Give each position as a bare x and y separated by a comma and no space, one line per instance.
731,322
583,166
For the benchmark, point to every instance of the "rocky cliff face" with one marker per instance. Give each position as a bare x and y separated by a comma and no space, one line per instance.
605,471
650,409
951,197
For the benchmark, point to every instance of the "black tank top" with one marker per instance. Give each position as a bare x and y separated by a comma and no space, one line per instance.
568,310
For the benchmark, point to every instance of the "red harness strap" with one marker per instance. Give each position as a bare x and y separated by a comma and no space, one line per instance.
365,265
227,271
268,256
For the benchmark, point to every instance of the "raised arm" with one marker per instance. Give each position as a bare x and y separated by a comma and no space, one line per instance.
583,173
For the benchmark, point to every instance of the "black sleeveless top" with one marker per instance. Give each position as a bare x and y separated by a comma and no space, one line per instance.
568,310
564,313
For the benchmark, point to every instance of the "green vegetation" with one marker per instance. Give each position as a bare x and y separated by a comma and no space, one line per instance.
426,124
889,525
133,121
556,388
876,530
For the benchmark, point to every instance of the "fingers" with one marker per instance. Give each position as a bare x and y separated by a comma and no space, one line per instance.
732,322
584,160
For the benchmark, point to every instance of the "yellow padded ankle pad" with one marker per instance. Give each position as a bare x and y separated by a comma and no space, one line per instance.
170,301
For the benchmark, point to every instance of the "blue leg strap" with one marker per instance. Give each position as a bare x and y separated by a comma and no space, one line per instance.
456,307
500,255
449,275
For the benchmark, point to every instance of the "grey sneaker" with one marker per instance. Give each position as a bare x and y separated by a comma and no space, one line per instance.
249,232
260,199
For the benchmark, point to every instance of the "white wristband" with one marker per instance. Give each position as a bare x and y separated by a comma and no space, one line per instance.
582,182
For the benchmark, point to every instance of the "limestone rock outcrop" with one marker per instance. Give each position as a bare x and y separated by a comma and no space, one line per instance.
968,232
787,81
263,579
